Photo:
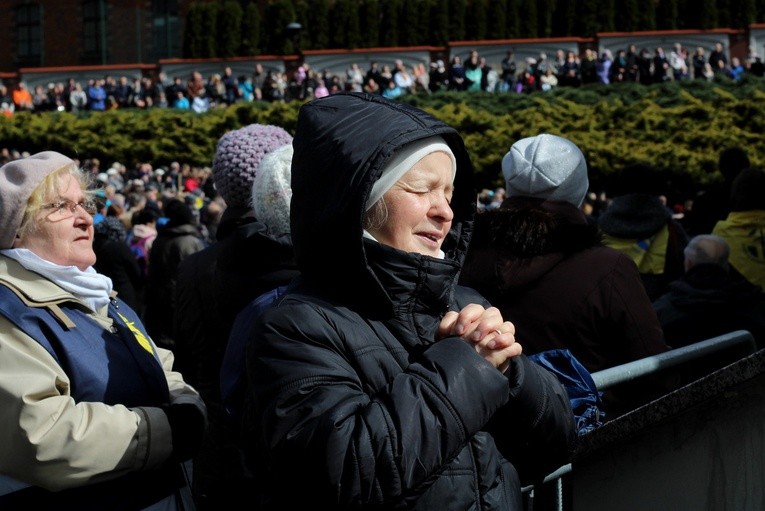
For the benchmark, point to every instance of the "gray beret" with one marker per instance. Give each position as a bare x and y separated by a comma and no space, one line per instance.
18,179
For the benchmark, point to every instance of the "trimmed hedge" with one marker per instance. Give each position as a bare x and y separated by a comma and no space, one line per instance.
678,127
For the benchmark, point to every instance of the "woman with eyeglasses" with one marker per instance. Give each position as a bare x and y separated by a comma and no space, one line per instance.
92,415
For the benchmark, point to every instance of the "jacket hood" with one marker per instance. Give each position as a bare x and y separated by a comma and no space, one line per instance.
342,143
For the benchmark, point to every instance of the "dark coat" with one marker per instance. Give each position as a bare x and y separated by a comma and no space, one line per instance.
115,260
354,397
543,265
171,246
641,216
707,302
213,286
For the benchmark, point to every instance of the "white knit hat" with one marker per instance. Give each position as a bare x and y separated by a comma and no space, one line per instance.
546,167
404,160
272,190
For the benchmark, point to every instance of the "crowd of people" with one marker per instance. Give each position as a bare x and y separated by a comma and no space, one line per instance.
473,73
340,307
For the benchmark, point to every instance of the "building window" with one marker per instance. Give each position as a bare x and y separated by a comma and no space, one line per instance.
166,37
93,27
29,34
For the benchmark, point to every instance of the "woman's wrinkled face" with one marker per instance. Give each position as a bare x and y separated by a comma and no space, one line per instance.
419,214
65,229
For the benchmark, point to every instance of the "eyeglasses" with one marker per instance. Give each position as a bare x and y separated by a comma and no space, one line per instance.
66,208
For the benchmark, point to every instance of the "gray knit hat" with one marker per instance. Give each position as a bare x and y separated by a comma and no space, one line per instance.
272,190
238,156
546,167
18,179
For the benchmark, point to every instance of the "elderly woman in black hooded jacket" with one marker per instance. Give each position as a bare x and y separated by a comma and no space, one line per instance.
375,380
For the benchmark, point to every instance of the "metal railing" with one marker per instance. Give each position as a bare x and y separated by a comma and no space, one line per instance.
630,371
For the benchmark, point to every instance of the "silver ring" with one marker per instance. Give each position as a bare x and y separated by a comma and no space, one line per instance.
498,332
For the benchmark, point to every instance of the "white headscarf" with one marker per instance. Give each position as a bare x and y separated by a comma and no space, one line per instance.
403,161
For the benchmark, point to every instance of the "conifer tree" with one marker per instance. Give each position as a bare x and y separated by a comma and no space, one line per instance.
277,15
570,18
439,24
457,11
369,16
475,20
192,33
723,13
318,24
497,22
250,30
345,22
667,15
744,13
606,16
513,22
423,32
588,14
389,29
629,16
546,10
529,19
707,14
210,30
409,23
648,15
229,29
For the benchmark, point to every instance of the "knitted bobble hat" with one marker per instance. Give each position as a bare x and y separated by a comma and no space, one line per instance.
546,167
272,190
237,157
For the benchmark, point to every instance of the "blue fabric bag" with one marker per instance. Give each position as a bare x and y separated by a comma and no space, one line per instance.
586,400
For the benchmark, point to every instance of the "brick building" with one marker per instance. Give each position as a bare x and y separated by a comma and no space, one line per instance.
57,33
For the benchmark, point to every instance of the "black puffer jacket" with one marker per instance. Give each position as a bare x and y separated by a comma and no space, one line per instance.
356,406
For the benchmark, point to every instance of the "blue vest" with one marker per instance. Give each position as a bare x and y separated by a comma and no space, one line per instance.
102,366
113,367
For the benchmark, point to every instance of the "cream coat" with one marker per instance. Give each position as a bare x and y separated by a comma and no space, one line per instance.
85,442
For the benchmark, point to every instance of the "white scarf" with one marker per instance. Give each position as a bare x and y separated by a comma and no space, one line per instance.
89,285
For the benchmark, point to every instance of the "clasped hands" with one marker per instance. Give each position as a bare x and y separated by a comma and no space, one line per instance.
492,337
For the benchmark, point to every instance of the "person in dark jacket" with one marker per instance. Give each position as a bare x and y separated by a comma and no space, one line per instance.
376,381
638,223
115,260
249,257
176,240
707,301
713,204
540,261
